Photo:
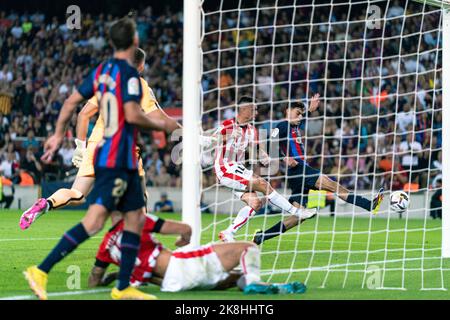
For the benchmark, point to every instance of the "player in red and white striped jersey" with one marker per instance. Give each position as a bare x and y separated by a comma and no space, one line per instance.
202,267
236,137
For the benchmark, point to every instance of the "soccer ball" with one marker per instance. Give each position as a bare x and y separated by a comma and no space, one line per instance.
399,201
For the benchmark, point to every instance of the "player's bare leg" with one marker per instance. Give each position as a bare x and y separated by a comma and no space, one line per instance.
325,183
95,219
61,198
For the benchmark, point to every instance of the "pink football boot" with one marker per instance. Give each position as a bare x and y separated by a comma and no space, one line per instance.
31,215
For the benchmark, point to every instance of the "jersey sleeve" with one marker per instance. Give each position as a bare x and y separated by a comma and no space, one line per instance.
131,87
86,88
153,223
282,129
283,132
148,101
302,125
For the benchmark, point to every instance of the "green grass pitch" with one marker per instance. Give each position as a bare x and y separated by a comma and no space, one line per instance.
20,249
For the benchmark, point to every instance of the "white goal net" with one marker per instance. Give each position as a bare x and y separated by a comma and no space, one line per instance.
377,66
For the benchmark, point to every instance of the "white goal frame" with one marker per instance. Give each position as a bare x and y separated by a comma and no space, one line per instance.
191,117
445,133
192,102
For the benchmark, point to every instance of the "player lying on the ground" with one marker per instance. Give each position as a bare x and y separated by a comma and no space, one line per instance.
236,136
115,83
302,177
83,157
200,267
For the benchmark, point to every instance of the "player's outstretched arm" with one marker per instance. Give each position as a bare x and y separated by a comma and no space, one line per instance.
135,115
88,111
85,114
97,277
182,229
53,143
170,123
67,110
264,156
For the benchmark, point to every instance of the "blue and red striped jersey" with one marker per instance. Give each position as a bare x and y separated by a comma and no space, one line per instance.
291,141
114,83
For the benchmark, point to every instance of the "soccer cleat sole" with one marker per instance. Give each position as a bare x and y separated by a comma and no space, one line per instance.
42,295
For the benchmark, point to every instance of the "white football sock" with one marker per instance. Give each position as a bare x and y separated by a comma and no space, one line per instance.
251,265
281,202
242,218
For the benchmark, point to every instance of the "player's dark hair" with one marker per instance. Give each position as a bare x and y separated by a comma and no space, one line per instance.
139,56
245,100
122,33
295,105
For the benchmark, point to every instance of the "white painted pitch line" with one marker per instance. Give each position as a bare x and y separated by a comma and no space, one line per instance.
58,294
37,239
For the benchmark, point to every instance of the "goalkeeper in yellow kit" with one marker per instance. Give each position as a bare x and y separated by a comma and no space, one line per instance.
83,157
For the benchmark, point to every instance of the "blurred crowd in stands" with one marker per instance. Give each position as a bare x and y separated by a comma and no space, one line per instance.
42,61
380,113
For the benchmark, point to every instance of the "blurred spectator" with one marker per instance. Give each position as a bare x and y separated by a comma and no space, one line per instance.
30,141
97,41
66,152
154,161
17,31
395,10
150,176
162,179
9,167
6,74
164,204
405,118
159,139
6,98
31,165
5,200
410,150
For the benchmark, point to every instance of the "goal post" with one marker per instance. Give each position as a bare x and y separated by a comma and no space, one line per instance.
445,6
191,118
446,133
